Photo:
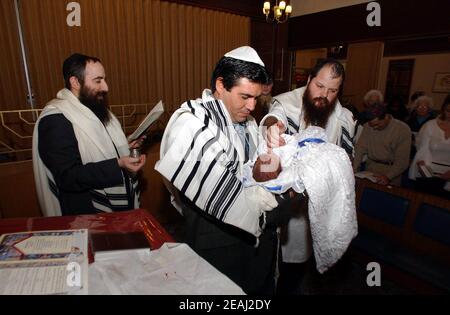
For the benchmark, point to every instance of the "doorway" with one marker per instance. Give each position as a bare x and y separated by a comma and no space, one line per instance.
399,78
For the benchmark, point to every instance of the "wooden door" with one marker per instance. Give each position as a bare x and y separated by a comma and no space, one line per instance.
362,71
399,77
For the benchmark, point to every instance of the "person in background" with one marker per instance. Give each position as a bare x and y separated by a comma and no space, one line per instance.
81,156
396,108
433,154
413,98
386,142
422,111
372,98
263,101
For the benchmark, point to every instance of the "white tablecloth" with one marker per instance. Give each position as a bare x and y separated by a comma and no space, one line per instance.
172,269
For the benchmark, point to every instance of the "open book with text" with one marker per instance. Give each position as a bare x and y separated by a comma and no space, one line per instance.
366,175
153,116
44,262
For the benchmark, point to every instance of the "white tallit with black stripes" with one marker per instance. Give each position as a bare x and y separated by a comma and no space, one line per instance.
288,107
202,157
96,143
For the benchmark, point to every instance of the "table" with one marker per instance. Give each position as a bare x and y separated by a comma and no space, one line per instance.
124,265
107,231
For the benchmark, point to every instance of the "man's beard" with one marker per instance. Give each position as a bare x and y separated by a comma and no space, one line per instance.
317,110
97,103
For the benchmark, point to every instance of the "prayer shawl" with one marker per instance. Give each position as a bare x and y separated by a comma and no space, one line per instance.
95,143
202,157
288,107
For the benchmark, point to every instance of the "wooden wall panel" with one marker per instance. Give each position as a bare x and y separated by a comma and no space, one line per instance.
250,8
362,71
18,194
155,198
151,49
13,90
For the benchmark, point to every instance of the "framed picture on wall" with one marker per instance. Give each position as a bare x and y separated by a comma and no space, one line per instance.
441,82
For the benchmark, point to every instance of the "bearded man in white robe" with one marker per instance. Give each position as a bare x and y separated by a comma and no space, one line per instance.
315,104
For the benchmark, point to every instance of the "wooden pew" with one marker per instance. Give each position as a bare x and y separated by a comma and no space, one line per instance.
408,232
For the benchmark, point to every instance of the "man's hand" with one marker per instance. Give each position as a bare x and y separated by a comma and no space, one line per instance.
421,162
273,135
135,144
382,179
132,165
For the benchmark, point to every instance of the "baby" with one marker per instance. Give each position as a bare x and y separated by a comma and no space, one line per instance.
309,163
266,167
276,169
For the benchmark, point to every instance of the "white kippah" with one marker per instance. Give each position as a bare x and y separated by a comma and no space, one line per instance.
245,53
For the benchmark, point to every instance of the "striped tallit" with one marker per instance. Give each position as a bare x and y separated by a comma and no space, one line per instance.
96,143
202,157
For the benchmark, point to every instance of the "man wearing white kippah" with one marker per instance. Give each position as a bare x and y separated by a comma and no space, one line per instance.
203,150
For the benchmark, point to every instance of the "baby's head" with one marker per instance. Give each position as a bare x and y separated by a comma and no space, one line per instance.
266,167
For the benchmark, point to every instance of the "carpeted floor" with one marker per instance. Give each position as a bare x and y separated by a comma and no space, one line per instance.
346,277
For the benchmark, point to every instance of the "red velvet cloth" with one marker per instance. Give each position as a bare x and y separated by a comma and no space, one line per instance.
116,223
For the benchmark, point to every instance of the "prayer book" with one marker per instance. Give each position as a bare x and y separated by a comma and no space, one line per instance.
153,116
426,171
367,175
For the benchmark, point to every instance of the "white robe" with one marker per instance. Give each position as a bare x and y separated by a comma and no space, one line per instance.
91,135
288,107
433,149
324,170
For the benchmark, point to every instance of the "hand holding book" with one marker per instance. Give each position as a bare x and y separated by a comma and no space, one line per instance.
424,170
153,116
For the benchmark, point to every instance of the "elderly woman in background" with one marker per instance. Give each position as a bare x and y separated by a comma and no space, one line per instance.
431,165
421,113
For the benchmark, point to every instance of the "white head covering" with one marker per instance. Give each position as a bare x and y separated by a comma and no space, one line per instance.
245,53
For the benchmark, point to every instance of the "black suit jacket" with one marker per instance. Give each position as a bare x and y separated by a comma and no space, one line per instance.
58,148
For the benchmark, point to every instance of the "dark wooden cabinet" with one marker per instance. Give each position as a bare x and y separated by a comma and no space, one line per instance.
271,42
